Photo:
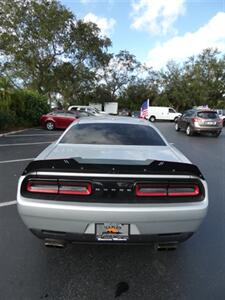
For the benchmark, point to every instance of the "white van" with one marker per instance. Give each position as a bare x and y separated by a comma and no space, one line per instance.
162,113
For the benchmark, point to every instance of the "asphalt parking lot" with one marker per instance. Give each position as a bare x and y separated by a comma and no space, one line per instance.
196,270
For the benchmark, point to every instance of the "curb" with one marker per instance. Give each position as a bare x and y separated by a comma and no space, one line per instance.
12,132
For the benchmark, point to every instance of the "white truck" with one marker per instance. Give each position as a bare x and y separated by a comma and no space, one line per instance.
111,108
162,113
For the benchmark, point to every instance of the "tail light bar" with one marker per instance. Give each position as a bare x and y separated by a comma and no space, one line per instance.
197,120
59,187
49,187
171,190
150,190
75,188
180,191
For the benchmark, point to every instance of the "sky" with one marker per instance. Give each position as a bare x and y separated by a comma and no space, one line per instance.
156,31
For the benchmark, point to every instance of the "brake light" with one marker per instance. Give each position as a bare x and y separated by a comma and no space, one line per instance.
75,188
181,191
170,190
62,188
196,120
49,187
150,190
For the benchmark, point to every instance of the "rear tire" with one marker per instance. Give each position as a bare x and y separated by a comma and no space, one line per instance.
49,125
152,119
189,131
177,128
216,134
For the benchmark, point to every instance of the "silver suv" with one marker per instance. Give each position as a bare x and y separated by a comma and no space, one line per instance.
198,121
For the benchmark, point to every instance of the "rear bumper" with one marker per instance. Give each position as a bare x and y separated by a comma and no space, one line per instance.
77,221
76,238
207,129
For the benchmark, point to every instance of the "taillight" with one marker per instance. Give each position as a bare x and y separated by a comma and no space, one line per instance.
49,187
150,190
170,189
75,188
182,191
59,187
196,120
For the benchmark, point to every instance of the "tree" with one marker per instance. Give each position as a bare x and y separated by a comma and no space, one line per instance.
38,37
123,68
205,75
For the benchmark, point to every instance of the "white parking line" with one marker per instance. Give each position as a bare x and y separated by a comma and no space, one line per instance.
24,144
14,160
8,203
32,135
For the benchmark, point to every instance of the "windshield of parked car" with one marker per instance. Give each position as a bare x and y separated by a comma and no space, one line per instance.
113,134
207,115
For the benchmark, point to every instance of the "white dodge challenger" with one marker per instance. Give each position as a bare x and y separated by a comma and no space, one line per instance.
112,180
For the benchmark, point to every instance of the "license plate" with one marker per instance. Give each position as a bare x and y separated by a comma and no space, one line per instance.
210,123
112,232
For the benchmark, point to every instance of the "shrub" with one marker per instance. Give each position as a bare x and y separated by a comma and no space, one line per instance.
28,106
7,119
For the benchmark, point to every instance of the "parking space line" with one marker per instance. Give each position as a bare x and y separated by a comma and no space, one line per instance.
32,135
24,144
8,203
14,160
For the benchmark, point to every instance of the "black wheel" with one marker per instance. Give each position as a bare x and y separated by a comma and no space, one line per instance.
49,125
152,119
177,128
216,134
175,119
189,131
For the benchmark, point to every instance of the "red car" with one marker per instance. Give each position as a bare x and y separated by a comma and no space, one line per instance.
57,119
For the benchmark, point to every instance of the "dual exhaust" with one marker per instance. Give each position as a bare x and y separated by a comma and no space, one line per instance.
166,246
53,243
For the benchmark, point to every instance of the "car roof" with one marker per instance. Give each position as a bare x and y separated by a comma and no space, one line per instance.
115,120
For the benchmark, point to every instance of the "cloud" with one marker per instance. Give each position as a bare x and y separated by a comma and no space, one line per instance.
156,16
106,25
85,1
211,35
111,2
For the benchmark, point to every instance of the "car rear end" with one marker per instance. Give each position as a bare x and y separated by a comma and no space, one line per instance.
112,193
207,121
78,206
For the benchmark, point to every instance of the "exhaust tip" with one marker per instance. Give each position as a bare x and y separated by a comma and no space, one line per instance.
170,246
52,243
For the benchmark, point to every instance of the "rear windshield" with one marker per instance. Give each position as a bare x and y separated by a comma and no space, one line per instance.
113,134
207,115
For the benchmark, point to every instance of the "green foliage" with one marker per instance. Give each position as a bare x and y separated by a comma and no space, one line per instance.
37,36
20,107
6,119
28,106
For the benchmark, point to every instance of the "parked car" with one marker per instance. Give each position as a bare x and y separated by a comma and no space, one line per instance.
112,180
124,112
162,113
135,114
57,119
89,109
198,121
82,114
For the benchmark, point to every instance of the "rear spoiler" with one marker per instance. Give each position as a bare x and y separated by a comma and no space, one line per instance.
78,165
